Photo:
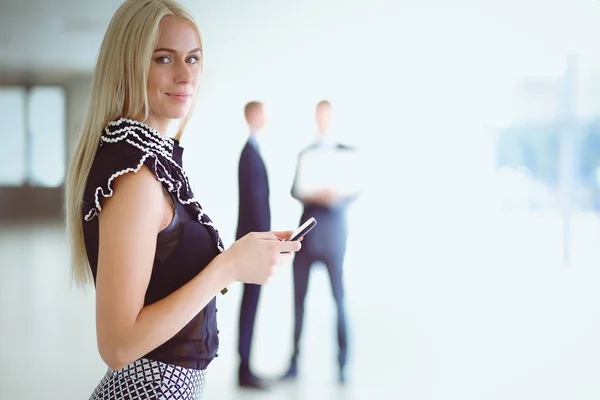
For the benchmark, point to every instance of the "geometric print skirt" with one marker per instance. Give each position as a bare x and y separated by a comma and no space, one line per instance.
151,380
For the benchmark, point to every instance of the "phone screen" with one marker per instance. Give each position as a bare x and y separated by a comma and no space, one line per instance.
303,229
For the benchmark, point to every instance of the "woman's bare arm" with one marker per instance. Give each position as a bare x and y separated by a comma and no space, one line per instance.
129,223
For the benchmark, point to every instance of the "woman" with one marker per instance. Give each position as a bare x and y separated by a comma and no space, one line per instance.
136,230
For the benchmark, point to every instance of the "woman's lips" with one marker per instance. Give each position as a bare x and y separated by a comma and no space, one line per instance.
180,96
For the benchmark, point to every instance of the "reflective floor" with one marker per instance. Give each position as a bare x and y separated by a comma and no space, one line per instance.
490,314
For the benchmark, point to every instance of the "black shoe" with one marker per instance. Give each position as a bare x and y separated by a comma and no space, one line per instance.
291,373
249,381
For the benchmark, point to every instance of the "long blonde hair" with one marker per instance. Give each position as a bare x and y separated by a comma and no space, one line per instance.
118,90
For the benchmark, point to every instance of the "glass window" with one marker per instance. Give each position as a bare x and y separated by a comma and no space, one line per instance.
13,155
47,147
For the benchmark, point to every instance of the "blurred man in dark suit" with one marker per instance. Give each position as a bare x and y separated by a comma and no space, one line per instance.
254,216
326,243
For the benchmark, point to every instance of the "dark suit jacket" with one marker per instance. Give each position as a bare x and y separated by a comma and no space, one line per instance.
330,234
254,213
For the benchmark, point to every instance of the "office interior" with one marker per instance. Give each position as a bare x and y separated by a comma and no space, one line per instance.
474,247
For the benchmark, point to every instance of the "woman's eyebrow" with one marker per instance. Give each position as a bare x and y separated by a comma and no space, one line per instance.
198,49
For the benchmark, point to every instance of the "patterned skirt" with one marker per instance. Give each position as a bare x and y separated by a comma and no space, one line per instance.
151,380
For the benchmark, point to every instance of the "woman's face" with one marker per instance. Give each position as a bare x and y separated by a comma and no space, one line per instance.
175,72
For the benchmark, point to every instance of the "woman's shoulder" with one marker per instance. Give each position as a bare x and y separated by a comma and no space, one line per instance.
126,144
125,147
130,134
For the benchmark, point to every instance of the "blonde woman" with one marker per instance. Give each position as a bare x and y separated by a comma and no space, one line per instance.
137,232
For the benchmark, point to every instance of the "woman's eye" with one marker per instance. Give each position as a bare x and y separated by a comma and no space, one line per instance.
193,59
162,60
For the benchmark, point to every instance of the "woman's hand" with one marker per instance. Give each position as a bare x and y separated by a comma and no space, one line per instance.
255,257
284,235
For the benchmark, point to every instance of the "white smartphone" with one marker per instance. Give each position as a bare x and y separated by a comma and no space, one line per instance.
303,229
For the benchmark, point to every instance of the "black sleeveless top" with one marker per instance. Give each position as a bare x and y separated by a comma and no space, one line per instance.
184,248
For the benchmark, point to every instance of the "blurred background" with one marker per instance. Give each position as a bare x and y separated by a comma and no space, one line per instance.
473,258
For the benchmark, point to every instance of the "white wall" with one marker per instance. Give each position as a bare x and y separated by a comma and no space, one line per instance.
413,86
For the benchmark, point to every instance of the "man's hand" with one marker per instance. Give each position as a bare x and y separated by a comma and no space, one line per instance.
327,198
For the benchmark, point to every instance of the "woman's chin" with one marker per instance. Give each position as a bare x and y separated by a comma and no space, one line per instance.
178,114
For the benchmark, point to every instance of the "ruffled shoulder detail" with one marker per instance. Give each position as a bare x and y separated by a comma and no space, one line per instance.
125,147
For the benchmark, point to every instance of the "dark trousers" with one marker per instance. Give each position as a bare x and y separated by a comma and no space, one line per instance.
334,261
246,325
